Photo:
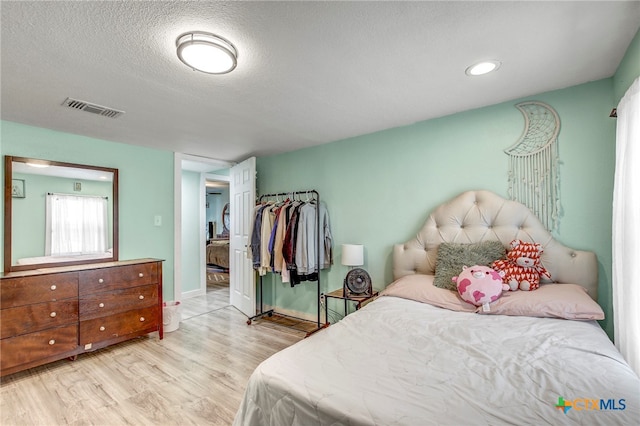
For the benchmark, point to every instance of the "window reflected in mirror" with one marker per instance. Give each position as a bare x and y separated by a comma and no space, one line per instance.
66,214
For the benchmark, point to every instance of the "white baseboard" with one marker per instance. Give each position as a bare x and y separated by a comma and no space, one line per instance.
194,293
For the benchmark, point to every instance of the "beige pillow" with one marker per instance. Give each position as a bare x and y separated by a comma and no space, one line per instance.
421,289
568,301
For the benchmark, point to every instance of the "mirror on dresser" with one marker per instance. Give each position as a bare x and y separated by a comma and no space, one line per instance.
58,214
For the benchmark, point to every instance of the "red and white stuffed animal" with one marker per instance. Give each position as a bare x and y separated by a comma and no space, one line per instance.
522,269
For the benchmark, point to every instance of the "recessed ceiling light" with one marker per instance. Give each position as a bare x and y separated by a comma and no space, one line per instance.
206,52
482,68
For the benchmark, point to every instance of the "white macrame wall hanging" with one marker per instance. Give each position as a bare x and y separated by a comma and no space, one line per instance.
533,163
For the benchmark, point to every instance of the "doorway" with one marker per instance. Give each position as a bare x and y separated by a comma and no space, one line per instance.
190,174
190,230
217,225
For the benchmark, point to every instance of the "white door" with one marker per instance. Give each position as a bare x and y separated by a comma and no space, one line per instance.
242,192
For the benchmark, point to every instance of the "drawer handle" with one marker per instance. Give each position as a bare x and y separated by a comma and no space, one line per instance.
102,328
52,342
52,314
53,287
141,319
100,280
141,275
101,305
141,297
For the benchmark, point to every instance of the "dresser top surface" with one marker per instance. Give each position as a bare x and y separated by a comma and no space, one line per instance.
75,268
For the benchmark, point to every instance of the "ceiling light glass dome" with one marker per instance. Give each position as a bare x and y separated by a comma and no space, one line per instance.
206,52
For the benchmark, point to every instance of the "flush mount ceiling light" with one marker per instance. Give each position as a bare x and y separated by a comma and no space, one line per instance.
483,67
206,52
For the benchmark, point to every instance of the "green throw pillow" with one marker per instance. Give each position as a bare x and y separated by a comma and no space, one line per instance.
452,257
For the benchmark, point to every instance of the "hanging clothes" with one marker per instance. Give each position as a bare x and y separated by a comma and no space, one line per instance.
253,250
268,219
281,227
289,248
285,240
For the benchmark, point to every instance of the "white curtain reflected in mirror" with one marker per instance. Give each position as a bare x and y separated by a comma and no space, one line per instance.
75,225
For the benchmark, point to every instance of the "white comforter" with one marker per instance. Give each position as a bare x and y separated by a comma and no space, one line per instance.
400,362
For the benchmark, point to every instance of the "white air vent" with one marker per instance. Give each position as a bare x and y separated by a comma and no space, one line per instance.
92,108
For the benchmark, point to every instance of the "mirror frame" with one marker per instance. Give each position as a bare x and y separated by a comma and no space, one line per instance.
8,203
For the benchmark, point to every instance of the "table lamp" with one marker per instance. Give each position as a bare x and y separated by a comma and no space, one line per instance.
357,282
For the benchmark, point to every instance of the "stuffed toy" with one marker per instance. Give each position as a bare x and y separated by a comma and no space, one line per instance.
479,285
522,268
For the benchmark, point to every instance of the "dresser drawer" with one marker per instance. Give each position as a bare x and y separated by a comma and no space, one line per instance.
39,345
103,304
105,328
37,317
116,278
40,288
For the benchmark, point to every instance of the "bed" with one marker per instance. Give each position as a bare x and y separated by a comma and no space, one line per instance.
218,253
420,355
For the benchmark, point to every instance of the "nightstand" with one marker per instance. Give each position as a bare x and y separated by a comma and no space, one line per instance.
339,294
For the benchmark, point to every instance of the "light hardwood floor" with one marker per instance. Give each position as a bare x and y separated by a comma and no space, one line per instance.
195,375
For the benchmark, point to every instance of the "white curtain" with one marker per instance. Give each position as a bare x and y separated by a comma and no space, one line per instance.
626,228
75,225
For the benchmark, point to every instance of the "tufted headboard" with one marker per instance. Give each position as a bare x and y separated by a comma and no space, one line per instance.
475,216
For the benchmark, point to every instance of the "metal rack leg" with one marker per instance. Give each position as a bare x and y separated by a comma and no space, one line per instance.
262,313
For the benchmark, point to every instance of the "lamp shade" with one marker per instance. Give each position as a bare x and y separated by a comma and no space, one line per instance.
352,254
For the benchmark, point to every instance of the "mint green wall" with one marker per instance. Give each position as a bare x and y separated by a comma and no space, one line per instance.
380,188
628,70
28,219
146,185
192,229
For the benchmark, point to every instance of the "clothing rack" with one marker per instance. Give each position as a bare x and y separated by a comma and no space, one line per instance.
315,196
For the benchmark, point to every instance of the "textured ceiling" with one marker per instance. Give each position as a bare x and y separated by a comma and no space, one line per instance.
308,72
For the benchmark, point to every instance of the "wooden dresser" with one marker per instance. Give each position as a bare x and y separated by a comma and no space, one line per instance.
55,313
